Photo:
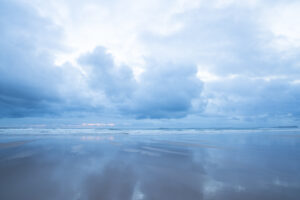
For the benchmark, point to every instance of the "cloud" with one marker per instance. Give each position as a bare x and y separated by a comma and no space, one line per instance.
243,97
171,59
162,91
244,77
29,81
33,86
281,21
165,91
117,82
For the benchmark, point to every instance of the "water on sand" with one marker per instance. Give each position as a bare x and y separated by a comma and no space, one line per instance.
150,165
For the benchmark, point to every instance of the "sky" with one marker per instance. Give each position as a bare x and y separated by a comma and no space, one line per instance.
159,63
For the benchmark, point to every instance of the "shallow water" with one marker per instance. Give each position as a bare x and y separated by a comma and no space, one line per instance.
158,164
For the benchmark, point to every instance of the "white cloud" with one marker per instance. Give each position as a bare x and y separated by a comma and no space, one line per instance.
226,3
116,25
282,21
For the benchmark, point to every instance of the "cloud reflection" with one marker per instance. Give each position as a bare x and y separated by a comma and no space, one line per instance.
140,167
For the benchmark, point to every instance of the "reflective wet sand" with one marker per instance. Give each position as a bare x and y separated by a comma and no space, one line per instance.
150,166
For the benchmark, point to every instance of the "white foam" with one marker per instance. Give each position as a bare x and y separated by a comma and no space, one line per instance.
90,131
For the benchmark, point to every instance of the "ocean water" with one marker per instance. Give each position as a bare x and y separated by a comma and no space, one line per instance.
152,164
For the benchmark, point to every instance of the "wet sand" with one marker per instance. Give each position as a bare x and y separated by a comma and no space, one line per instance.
151,167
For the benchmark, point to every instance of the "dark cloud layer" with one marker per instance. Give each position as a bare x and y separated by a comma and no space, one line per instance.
29,81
